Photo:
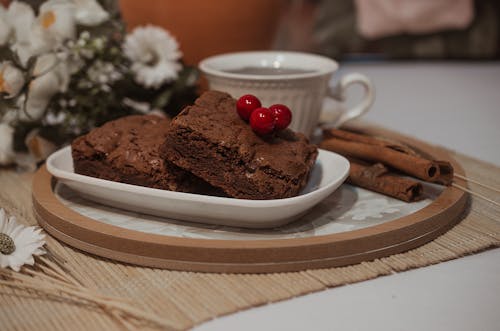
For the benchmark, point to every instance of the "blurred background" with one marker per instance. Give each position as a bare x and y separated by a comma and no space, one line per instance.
433,62
342,29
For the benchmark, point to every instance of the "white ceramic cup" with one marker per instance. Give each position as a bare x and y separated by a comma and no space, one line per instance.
299,80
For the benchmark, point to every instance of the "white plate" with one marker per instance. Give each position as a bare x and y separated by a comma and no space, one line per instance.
329,172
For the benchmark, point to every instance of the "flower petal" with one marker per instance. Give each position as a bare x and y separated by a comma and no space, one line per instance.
29,241
41,90
5,27
14,232
14,263
11,77
90,12
11,225
54,24
4,261
3,219
21,16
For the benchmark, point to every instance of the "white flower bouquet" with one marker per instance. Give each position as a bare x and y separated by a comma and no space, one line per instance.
67,66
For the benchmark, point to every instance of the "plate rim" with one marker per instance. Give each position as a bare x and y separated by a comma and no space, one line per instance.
212,200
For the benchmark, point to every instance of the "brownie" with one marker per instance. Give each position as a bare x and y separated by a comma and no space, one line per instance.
127,150
210,140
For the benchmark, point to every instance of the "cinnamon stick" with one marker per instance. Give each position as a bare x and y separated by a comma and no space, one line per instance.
445,173
378,178
362,138
418,167
394,154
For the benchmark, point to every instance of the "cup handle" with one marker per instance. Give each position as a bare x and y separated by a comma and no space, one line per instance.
338,92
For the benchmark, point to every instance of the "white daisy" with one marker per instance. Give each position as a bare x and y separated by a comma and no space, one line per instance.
7,154
11,79
154,53
18,243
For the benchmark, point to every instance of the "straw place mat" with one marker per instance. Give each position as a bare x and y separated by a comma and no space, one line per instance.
184,299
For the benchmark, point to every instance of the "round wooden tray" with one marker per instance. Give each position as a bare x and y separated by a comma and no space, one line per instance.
248,256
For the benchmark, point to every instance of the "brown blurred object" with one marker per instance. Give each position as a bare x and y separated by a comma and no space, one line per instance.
336,35
204,28
296,26
383,18
5,3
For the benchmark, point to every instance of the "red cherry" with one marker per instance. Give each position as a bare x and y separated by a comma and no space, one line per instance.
282,116
262,121
246,105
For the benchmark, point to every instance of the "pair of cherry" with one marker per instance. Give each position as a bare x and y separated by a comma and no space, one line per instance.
263,120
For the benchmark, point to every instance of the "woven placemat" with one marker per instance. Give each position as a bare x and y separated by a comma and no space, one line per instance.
186,299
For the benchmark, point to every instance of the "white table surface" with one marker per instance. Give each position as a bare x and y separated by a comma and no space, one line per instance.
456,105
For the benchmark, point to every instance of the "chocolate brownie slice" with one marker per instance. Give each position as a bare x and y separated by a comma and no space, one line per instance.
211,141
127,150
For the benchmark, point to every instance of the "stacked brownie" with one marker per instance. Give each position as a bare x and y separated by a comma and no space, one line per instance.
127,150
206,149
211,141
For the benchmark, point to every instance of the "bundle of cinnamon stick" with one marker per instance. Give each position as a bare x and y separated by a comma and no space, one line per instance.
376,161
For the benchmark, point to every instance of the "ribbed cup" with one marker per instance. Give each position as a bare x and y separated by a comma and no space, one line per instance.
302,89
304,97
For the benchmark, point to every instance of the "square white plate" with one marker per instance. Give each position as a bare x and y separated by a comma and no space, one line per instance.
328,173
